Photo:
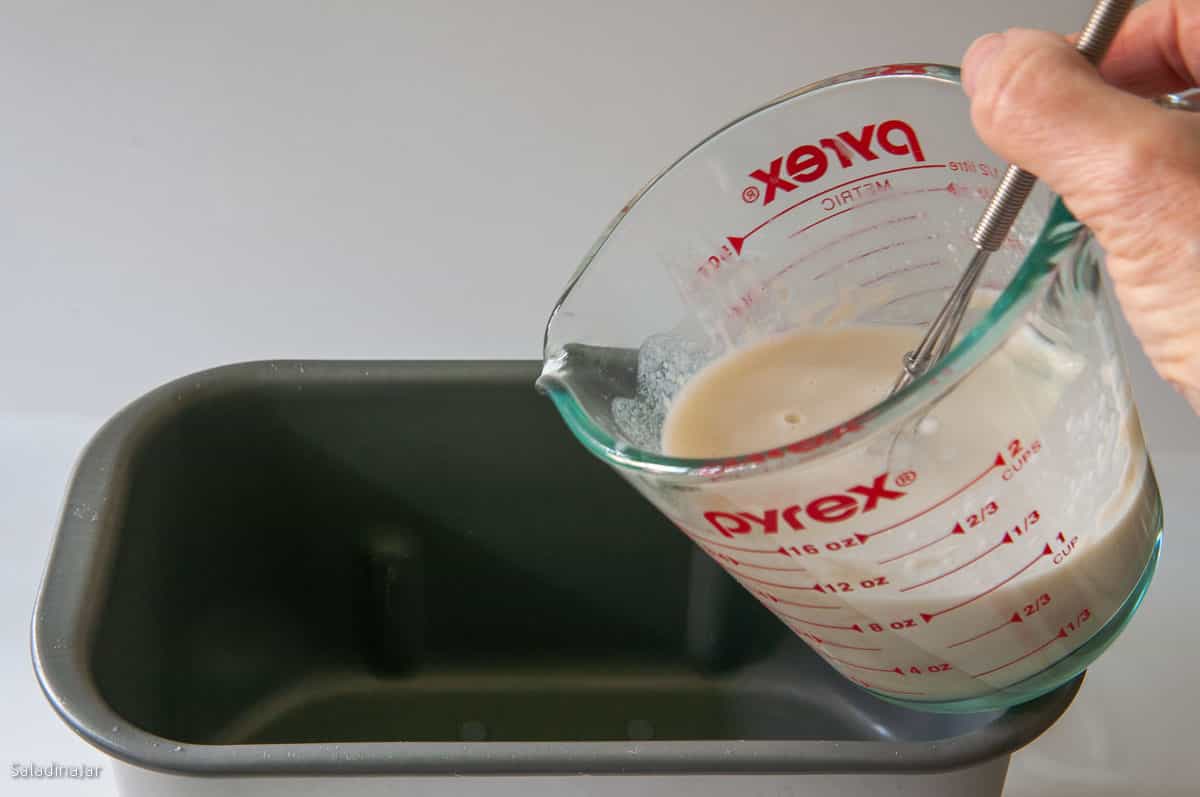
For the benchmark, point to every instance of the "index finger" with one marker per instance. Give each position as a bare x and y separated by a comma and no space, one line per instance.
1157,50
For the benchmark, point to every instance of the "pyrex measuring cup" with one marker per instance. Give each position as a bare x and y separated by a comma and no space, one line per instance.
969,543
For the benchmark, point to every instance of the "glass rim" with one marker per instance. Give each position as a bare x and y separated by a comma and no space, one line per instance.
1058,232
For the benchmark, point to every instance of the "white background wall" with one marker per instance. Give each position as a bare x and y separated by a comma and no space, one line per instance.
189,184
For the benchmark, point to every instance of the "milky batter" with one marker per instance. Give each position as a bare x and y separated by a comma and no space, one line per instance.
937,560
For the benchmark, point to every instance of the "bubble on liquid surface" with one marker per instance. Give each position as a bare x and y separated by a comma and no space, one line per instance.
665,364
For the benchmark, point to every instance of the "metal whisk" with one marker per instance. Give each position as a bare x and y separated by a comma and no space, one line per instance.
1001,211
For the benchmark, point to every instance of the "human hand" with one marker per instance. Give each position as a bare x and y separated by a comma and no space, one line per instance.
1127,168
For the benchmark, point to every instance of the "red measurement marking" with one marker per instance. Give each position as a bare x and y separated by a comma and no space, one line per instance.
899,271
774,599
887,196
808,227
855,627
886,689
739,563
896,670
907,296
1062,634
820,641
1016,618
841,239
958,529
774,584
737,241
1047,551
870,252
776,569
702,541
998,462
1006,540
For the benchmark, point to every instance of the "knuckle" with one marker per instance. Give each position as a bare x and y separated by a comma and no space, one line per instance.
1166,146
1145,208
1152,166
1019,86
1137,151
1187,31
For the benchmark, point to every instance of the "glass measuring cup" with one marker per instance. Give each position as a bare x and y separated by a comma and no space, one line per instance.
969,543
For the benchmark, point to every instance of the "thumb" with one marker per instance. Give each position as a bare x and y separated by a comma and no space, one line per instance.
1038,103
1128,169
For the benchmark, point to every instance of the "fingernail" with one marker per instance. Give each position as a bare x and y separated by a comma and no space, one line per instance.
977,57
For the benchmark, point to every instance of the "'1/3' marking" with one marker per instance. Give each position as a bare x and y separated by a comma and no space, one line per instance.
1064,632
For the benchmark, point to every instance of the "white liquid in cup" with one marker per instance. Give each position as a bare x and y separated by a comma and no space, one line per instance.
981,548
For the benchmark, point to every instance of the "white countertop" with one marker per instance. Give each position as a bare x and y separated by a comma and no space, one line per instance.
184,185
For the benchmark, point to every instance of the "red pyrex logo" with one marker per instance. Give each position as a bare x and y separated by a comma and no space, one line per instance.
833,508
809,162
